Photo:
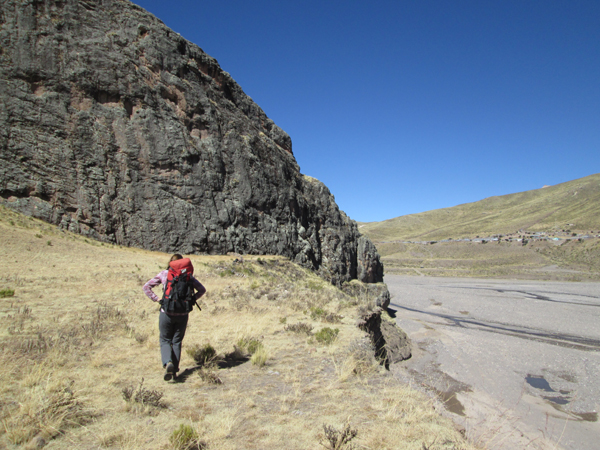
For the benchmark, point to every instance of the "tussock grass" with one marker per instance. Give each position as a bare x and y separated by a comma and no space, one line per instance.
260,356
78,336
250,344
46,407
186,438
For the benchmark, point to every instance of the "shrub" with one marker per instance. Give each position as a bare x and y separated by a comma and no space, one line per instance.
209,375
333,318
142,395
316,313
326,335
300,327
186,438
7,293
338,439
202,354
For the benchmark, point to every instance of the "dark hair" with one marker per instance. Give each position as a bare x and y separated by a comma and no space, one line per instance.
175,257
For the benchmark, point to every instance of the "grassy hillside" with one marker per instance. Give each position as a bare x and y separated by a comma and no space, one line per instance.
574,205
80,364
410,245
538,260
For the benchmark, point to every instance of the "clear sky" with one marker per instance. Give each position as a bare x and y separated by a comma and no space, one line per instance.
400,106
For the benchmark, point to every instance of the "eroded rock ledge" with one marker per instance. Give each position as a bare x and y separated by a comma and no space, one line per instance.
392,345
114,126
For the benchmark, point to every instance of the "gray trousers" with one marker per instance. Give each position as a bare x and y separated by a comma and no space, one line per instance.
172,331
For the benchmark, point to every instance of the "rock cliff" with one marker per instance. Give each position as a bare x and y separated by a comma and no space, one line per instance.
114,126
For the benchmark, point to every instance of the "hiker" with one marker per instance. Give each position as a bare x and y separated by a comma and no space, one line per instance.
173,317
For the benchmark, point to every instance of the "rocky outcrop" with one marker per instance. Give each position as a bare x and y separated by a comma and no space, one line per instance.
392,345
115,127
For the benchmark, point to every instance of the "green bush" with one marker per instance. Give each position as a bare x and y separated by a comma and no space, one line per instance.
202,354
316,313
184,438
326,335
7,293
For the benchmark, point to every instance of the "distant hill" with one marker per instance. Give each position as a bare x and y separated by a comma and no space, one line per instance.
574,205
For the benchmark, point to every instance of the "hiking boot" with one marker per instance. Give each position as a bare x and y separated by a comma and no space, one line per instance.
170,371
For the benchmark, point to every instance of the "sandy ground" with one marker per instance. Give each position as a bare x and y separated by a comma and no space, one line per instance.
517,363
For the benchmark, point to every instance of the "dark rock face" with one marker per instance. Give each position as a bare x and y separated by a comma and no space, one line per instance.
115,127
392,345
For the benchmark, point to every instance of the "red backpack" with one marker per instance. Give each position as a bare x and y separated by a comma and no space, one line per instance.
178,297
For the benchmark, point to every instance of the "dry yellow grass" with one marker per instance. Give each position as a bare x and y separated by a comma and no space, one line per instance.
538,260
80,364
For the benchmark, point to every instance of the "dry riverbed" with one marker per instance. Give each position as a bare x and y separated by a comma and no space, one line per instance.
517,363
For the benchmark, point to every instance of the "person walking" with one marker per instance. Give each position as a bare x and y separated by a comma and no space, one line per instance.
172,322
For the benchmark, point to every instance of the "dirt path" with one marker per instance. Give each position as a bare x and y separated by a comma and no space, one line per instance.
516,362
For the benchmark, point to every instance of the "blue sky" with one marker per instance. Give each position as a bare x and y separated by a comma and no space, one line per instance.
401,107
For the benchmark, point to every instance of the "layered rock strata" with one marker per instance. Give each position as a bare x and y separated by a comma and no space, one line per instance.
114,126
392,344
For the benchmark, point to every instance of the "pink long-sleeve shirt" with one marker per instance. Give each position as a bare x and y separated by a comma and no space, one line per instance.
161,278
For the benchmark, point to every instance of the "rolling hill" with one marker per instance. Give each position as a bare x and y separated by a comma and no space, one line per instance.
574,205
549,234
